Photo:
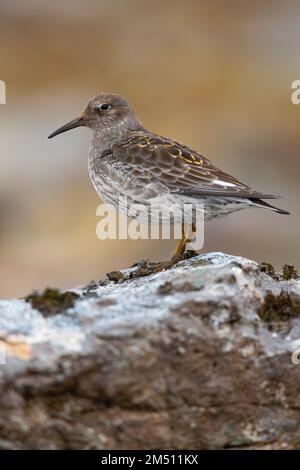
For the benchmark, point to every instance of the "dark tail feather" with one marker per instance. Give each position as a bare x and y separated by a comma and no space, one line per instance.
260,203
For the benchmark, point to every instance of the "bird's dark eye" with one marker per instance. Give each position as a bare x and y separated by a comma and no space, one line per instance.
105,106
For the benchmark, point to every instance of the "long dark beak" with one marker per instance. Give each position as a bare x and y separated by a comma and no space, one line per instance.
80,121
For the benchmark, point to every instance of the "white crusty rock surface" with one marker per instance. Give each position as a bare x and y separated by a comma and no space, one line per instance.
202,356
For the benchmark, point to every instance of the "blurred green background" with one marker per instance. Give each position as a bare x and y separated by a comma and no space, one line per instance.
215,75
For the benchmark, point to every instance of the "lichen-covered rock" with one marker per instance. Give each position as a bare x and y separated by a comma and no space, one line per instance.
202,356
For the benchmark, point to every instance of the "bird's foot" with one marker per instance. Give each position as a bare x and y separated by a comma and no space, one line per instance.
145,268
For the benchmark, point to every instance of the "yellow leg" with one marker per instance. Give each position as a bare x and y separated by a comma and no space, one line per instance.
181,246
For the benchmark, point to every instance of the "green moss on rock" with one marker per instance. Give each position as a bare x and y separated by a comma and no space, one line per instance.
289,272
267,268
280,307
51,301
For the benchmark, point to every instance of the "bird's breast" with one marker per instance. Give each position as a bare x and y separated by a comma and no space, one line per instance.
107,177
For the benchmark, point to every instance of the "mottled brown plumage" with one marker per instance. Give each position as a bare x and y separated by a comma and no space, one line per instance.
183,170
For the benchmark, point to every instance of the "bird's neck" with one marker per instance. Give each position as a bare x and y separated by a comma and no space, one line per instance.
105,138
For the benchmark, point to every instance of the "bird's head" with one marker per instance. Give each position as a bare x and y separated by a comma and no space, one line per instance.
105,112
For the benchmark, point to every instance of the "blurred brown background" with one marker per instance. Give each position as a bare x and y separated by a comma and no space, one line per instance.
213,74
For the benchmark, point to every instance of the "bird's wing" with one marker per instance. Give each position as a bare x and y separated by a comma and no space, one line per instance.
180,169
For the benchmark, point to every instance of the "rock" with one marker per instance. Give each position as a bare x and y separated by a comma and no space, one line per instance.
202,356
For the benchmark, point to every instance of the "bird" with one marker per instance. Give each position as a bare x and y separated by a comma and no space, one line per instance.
126,159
